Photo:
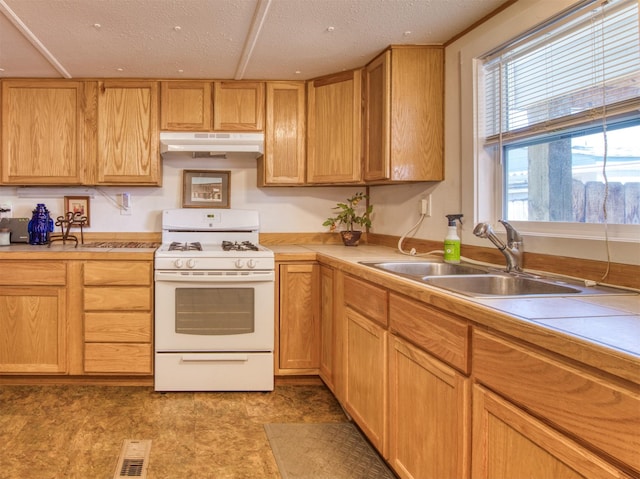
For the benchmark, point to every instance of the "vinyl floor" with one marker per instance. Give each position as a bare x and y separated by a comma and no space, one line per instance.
53,432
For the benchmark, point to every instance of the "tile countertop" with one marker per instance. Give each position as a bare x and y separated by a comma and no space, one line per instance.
594,324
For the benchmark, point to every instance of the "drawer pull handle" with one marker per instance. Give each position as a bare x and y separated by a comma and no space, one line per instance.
214,357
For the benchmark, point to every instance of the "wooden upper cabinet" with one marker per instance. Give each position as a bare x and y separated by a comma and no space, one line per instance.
377,79
127,136
238,106
43,127
334,128
186,106
404,115
284,158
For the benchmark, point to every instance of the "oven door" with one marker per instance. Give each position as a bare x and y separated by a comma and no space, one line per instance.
214,311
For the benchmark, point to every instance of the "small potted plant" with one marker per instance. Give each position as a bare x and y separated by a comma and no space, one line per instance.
349,215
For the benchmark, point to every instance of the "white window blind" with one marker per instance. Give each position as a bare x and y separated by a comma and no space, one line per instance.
569,72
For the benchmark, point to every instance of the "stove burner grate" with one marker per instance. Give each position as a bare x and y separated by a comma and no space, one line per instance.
177,246
235,246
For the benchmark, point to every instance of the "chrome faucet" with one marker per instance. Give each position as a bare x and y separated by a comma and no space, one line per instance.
514,248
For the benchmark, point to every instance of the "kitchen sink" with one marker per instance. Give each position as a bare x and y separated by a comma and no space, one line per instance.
479,282
420,269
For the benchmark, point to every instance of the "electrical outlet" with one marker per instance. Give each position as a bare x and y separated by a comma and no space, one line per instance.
425,206
125,204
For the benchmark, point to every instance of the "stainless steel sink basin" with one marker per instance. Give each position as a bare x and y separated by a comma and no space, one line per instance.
420,269
501,285
479,282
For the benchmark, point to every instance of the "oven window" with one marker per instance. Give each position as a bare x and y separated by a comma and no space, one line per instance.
215,311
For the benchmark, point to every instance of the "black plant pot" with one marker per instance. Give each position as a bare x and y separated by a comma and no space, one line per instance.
351,238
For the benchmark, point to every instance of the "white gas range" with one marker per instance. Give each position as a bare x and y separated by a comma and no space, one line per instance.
214,304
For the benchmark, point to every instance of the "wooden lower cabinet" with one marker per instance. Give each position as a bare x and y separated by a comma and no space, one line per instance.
33,330
298,319
33,317
366,376
429,423
598,412
328,327
508,443
118,317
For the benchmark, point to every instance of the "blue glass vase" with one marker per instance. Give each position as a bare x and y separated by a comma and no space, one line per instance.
40,226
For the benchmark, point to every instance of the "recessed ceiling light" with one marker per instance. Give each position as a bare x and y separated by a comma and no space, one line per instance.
407,33
1,69
298,72
331,29
177,28
97,26
181,71
120,69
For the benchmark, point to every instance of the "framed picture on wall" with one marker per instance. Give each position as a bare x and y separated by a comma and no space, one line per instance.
206,189
78,205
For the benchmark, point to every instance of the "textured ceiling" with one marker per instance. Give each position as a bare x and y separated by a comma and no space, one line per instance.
222,39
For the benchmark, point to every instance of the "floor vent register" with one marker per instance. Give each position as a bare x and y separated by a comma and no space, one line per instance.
134,459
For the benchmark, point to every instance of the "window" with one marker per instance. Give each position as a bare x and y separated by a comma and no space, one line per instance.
560,114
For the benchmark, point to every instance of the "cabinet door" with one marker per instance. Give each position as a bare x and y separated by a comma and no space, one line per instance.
128,141
377,77
33,329
327,326
334,129
600,412
429,415
299,320
509,443
404,115
417,114
238,106
43,127
366,377
284,157
185,106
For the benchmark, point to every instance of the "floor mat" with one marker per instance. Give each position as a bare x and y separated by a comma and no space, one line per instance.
324,451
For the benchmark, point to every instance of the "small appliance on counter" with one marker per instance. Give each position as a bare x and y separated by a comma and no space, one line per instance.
18,229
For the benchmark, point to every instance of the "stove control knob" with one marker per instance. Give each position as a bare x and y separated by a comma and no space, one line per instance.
251,263
239,263
191,263
178,263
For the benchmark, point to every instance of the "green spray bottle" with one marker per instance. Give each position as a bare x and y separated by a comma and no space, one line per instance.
452,241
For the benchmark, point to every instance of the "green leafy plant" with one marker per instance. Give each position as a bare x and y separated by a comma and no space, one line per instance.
349,214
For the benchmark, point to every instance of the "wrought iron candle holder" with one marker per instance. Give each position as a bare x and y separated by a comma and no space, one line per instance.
65,223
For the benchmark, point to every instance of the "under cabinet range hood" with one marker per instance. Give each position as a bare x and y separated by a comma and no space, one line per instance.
174,144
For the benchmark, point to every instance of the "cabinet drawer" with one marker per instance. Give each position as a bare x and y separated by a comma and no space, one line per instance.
16,273
117,358
600,413
117,298
438,333
117,327
367,299
117,273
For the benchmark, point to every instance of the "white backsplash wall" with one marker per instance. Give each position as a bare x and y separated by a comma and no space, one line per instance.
282,209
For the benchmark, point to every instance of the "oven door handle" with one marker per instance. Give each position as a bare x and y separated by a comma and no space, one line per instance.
207,357
194,277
